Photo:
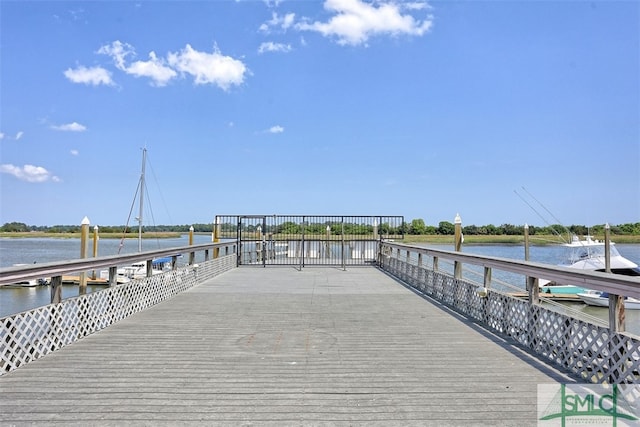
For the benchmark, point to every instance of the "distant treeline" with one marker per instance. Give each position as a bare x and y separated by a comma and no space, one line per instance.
415,227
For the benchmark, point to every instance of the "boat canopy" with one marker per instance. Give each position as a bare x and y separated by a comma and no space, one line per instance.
162,260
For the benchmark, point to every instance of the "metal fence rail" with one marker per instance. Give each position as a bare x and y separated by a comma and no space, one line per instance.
304,240
32,334
594,353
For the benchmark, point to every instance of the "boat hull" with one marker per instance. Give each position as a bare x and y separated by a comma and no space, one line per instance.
596,299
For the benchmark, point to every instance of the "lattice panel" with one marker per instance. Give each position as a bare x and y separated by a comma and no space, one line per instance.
591,352
32,334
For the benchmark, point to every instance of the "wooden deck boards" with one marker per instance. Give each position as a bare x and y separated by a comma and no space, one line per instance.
277,346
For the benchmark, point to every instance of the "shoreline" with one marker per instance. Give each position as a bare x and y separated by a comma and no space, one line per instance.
42,234
534,240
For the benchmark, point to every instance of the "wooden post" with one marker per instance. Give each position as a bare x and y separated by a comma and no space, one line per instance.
487,277
192,255
113,276
84,235
534,290
408,264
607,248
149,267
95,248
526,242
484,293
56,289
531,282
617,315
526,250
457,269
216,236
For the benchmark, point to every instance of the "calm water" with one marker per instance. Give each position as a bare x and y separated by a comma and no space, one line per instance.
39,250
15,251
30,250
551,254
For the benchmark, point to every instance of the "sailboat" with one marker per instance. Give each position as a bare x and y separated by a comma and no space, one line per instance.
138,270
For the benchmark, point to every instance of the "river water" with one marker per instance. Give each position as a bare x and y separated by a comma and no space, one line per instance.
39,250
29,250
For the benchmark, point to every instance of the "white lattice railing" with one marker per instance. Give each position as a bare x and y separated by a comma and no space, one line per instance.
593,353
32,334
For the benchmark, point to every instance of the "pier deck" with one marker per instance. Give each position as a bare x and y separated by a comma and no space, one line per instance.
277,346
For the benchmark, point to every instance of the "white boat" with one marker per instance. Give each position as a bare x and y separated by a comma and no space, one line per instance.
601,299
138,270
32,283
589,254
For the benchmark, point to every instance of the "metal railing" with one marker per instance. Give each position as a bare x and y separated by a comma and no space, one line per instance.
303,240
592,352
53,270
31,334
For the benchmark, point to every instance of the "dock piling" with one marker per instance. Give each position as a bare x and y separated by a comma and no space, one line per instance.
84,235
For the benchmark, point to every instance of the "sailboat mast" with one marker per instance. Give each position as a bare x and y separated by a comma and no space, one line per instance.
144,161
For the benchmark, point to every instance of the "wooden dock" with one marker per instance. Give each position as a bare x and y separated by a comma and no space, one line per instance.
277,346
74,280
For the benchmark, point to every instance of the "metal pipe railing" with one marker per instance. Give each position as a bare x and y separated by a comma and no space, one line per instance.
612,283
11,275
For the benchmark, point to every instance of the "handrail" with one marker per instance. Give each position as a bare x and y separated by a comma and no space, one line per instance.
592,351
9,275
613,283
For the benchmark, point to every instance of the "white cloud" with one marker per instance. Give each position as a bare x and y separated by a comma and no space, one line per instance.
272,3
29,173
154,68
209,68
118,51
276,129
90,76
416,6
274,47
206,68
283,22
355,21
19,135
70,127
74,152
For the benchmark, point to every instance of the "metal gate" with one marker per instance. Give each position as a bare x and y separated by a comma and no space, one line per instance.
303,240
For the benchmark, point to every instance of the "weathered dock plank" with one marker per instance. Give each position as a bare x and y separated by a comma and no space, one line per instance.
278,346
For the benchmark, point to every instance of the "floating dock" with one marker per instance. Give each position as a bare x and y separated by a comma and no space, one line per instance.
75,280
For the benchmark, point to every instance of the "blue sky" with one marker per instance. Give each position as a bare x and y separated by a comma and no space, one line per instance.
343,107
